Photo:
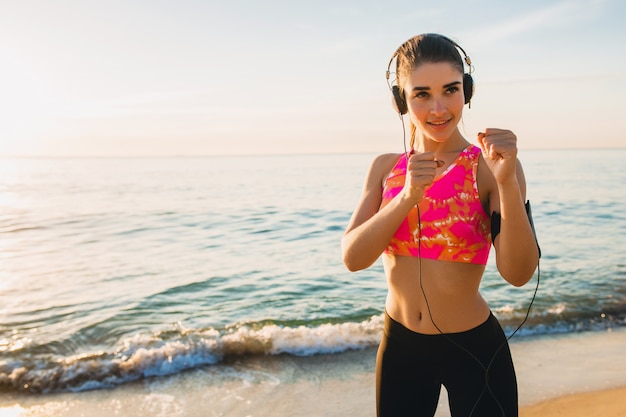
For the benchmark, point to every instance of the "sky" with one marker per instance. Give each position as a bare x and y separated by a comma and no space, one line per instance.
191,78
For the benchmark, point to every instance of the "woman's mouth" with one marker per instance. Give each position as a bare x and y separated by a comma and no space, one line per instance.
439,124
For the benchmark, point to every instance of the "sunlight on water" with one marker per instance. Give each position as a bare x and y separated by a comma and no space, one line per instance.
15,411
8,200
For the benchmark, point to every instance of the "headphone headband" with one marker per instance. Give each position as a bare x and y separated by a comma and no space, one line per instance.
466,58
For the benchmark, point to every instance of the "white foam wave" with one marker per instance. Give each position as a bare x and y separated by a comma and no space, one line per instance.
557,309
327,338
504,310
144,356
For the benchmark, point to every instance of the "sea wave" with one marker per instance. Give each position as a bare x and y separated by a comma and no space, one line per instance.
166,353
175,350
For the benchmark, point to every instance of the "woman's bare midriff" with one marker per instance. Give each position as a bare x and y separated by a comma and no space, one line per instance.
451,290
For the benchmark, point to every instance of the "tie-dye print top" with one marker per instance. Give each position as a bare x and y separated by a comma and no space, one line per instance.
454,224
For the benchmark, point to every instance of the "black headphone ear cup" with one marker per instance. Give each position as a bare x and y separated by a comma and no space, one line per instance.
399,100
468,87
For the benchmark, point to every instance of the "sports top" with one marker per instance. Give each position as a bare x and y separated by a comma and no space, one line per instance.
454,225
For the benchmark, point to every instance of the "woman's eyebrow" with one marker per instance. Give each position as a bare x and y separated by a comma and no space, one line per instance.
451,84
418,88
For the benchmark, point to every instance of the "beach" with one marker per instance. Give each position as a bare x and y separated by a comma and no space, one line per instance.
608,403
174,287
581,374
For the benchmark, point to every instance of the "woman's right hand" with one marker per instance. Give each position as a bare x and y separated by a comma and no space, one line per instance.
420,173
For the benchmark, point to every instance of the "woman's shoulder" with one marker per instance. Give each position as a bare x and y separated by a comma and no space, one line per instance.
379,169
386,161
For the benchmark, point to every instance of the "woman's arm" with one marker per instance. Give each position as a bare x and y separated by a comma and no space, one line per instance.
371,228
517,253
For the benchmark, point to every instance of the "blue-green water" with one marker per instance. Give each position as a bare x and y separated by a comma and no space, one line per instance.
119,269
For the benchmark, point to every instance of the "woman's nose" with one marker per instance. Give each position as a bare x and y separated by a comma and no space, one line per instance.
438,108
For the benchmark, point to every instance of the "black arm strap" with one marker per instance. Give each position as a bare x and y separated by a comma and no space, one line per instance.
496,219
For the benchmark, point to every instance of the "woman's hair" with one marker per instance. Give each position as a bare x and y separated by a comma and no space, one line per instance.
420,49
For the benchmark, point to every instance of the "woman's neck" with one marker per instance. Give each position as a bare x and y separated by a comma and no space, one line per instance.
454,143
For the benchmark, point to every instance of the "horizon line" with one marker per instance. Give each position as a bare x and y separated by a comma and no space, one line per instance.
139,156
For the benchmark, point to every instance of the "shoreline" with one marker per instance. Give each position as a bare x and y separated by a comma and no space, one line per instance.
570,374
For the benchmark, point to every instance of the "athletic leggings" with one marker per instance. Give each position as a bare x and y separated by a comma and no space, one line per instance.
411,368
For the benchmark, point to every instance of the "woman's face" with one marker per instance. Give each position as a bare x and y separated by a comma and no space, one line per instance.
434,96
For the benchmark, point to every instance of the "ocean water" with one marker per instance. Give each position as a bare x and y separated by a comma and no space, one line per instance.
118,269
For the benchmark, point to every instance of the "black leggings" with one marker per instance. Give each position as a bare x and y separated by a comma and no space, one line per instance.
411,367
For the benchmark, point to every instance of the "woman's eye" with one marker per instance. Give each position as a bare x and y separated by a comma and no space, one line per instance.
453,90
421,94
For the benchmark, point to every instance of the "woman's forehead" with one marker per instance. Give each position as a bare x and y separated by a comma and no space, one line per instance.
434,73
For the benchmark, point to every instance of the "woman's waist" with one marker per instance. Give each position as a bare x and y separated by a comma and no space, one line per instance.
439,298
429,319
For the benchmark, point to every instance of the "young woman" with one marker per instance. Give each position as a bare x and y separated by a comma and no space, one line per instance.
427,212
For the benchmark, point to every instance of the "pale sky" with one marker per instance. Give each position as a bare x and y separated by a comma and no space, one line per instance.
151,78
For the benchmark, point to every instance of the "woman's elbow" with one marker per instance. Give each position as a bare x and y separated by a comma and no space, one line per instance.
519,275
352,259
518,280
351,266
353,263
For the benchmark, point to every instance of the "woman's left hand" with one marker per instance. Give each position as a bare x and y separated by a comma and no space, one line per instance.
499,147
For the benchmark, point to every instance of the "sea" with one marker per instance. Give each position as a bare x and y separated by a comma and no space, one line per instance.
115,270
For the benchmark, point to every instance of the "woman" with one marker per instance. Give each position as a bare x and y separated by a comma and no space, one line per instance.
428,218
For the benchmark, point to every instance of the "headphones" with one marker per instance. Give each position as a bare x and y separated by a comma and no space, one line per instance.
398,94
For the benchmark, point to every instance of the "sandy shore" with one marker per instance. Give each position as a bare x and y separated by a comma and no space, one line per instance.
569,375
609,403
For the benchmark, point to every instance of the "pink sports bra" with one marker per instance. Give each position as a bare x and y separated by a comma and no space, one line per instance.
454,225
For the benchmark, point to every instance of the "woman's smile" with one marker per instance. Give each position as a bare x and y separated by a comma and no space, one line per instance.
439,124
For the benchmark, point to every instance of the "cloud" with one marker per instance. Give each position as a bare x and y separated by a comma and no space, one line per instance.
571,79
564,12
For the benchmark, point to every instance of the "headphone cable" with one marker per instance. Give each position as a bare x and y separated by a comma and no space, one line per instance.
488,367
